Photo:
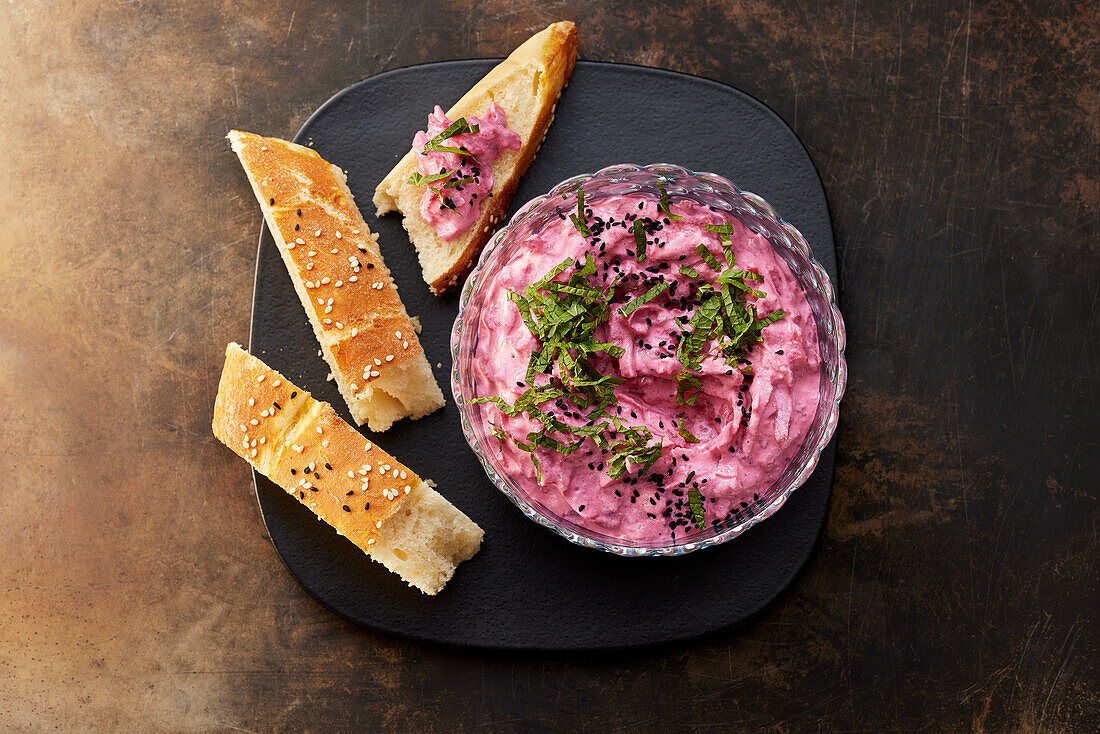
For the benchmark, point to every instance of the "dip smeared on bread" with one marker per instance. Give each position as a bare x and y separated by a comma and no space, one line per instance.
454,166
648,370
525,87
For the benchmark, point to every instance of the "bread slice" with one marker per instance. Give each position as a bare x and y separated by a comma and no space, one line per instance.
526,85
368,496
337,269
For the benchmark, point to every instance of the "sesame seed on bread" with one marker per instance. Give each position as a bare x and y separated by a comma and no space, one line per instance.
368,496
337,269
526,85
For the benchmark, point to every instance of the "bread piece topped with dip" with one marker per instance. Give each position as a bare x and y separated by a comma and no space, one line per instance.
370,497
365,334
454,186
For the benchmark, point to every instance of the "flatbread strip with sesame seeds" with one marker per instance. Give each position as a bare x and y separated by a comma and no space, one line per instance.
366,335
372,499
526,85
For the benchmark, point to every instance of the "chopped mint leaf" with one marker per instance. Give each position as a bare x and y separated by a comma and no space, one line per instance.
643,299
663,206
708,258
458,127
639,241
687,435
695,502
418,179
578,219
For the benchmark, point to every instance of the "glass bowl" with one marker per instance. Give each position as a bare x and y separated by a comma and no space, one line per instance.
681,184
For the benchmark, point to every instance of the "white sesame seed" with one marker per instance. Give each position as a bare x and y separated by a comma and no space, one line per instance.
244,428
354,387
334,251
368,445
389,357
374,373
253,452
263,413
325,280
353,279
355,231
337,234
319,430
326,322
312,253
309,283
377,361
298,448
397,334
260,378
263,440
338,283
317,233
405,345
300,241
251,401
339,325
407,489
308,485
324,443
328,309
277,383
395,473
312,466
309,266
254,422
371,541
404,475
320,302
355,331
290,245
378,525
251,445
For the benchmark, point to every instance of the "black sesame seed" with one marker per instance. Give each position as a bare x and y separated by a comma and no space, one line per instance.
299,212
347,509
328,466
367,506
349,493
293,471
271,201
277,406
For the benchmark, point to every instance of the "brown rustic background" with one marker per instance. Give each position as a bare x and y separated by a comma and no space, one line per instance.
955,585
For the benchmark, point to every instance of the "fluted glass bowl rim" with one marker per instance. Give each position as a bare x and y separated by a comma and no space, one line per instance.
583,536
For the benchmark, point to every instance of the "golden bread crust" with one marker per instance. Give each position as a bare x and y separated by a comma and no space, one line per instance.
338,272
547,58
342,477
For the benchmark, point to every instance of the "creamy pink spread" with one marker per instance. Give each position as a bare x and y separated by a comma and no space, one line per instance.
452,207
748,425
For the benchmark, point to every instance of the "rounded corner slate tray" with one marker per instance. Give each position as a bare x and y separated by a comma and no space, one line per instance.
528,588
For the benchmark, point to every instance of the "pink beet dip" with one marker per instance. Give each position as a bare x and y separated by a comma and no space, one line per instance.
453,203
748,420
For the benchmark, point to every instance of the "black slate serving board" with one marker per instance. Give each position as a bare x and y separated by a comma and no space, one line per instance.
528,588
